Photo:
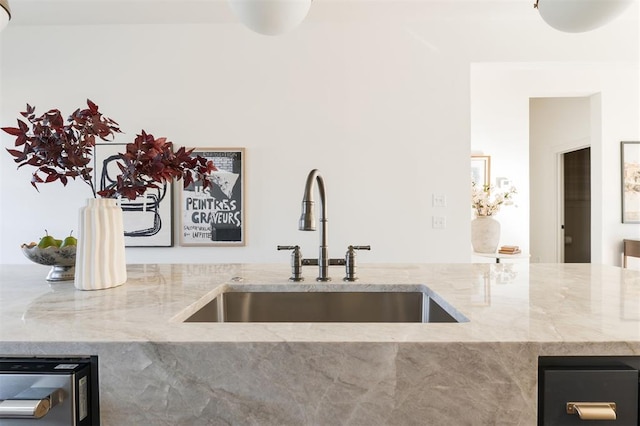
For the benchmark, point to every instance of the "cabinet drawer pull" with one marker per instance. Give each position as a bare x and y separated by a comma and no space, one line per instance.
32,403
593,410
27,409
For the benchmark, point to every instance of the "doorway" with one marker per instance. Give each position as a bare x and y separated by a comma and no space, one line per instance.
576,206
559,126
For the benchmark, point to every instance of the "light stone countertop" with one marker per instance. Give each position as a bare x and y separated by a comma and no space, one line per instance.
508,302
157,370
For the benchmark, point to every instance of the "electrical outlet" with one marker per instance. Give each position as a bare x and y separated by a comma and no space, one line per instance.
438,222
439,200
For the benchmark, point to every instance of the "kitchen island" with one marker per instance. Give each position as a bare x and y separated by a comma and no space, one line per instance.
157,370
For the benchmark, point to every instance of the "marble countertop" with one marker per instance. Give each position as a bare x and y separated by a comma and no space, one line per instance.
507,302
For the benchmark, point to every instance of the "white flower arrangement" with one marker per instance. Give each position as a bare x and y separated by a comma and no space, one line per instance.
482,202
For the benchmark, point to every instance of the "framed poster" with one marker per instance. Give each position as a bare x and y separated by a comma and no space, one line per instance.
481,169
215,216
630,168
148,220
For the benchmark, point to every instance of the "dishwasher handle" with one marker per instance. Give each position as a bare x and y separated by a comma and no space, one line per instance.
33,403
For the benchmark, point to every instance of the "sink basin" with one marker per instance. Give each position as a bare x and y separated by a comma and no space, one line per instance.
325,306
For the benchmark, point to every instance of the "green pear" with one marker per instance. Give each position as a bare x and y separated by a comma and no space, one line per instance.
69,241
47,241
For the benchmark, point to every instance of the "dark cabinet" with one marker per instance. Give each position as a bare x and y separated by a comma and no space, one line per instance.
581,390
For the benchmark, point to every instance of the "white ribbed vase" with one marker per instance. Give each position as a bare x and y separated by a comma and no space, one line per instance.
485,234
100,258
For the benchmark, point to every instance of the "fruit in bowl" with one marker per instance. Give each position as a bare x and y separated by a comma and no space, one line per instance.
59,254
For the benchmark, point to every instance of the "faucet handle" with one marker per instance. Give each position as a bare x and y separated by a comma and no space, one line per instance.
296,262
350,262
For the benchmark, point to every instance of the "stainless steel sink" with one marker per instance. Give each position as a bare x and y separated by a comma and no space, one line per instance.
325,306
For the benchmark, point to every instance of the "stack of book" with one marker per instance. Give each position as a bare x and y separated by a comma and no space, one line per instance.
509,250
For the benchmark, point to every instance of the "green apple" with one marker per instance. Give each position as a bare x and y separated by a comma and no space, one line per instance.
47,241
69,241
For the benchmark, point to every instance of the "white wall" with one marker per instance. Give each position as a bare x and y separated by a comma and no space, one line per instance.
374,94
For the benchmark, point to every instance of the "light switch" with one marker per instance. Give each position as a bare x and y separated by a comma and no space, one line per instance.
438,222
439,200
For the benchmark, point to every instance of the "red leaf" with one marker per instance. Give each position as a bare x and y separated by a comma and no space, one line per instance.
15,152
188,180
13,131
93,107
62,149
206,183
51,177
107,193
21,140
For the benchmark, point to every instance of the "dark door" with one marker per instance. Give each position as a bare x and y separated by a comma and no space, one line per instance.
577,206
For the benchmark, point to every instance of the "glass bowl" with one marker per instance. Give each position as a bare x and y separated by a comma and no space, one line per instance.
61,259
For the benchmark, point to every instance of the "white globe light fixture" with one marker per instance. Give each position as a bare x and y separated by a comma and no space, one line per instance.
5,13
270,17
576,16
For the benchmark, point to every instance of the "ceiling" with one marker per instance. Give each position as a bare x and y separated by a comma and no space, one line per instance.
65,12
79,12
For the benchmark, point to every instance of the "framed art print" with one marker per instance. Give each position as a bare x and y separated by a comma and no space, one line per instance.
215,216
481,169
630,181
148,220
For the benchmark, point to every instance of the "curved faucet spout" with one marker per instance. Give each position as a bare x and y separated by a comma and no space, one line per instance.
308,221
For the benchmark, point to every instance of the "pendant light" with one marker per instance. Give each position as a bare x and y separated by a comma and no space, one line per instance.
5,13
270,17
576,16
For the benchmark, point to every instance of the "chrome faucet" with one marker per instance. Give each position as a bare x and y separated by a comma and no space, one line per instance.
308,220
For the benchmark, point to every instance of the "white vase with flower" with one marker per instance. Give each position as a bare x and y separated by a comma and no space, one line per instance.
485,230
61,150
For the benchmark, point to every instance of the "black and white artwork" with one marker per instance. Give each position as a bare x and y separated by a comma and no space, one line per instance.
148,219
215,216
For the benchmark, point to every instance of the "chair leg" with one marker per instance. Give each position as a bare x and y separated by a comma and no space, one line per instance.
624,261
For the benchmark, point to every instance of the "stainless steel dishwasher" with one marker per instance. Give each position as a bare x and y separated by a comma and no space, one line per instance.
49,391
